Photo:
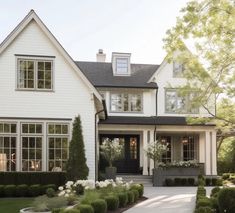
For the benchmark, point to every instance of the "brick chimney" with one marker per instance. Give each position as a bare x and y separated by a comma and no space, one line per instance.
100,56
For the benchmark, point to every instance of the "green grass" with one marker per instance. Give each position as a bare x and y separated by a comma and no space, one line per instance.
13,205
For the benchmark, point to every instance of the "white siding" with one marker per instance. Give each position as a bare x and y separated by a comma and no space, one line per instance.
164,79
69,98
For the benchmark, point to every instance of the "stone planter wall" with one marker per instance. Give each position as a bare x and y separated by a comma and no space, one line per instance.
161,174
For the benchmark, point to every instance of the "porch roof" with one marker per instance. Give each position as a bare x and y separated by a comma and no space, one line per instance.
153,120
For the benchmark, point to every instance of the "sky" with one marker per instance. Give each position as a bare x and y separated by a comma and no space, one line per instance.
84,26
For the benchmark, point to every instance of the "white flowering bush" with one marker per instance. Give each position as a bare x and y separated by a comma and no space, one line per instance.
155,150
184,164
111,150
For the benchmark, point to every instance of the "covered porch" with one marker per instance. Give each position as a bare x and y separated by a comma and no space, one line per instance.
185,143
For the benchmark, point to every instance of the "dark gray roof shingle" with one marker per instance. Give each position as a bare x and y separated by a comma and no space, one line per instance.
155,120
100,74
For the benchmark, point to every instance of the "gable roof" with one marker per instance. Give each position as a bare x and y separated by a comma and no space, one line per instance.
24,23
101,75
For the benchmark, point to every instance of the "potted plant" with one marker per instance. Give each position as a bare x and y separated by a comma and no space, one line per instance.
154,151
111,150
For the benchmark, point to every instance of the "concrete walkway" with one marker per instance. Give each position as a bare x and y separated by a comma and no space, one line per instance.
167,200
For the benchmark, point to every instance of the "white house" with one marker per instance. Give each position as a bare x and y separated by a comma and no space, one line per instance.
42,89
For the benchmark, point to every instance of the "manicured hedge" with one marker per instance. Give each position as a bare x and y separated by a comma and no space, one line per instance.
31,178
226,200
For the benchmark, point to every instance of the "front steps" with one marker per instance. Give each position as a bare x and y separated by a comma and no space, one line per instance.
144,179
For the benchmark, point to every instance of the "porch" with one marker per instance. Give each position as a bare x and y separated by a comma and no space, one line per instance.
184,142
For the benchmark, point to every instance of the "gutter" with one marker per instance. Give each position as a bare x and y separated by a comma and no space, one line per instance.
97,113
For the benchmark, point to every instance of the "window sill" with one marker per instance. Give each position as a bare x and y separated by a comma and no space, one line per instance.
35,90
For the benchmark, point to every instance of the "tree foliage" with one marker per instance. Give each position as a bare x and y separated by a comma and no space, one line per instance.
207,27
76,165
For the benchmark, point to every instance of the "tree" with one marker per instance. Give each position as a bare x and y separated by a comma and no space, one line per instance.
208,27
155,150
76,165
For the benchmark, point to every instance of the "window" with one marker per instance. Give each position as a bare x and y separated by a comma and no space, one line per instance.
133,148
122,66
189,148
176,103
166,140
123,102
58,144
31,143
34,74
178,69
7,147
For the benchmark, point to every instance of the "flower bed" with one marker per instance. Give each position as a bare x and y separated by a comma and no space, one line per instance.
90,196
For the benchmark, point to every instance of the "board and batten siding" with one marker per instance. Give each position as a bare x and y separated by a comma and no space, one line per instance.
70,96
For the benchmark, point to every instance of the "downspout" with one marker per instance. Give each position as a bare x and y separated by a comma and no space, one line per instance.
97,113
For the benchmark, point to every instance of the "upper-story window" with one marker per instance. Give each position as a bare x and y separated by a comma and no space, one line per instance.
177,103
34,74
178,70
123,102
122,66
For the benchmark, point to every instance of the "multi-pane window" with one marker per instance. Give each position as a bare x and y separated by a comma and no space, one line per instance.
58,143
123,102
177,103
7,147
178,69
122,66
31,143
166,140
35,74
189,148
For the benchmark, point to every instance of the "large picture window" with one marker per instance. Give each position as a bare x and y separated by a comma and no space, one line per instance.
123,102
58,144
7,147
31,143
34,74
177,103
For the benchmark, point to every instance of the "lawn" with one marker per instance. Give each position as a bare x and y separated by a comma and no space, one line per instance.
13,205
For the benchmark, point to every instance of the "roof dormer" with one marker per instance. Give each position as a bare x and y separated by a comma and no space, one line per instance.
121,64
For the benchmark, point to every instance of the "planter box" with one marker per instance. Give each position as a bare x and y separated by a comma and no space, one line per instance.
161,174
110,173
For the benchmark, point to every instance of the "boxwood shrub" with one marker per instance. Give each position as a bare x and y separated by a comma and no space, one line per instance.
203,202
85,208
177,181
214,191
226,200
35,190
21,190
184,182
208,182
99,206
136,194
1,190
191,181
130,195
204,210
10,190
123,198
112,202
169,182
139,188
31,178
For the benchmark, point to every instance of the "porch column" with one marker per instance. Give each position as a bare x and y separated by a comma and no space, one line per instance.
208,154
151,164
145,158
213,153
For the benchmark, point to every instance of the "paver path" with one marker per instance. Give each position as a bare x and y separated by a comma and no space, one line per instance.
167,200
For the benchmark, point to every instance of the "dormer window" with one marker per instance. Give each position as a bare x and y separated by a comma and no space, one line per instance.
178,70
121,64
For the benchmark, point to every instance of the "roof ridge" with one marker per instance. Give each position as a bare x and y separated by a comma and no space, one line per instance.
95,62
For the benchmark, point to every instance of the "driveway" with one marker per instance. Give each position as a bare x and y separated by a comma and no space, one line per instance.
167,200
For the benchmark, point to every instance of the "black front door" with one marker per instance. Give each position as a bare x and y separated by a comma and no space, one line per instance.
129,163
